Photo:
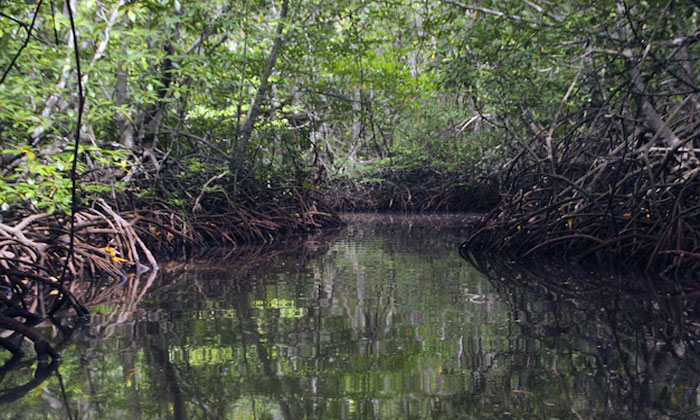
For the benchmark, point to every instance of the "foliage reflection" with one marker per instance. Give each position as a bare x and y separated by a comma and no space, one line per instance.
383,322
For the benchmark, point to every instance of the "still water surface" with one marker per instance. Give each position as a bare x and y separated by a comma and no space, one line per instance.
382,320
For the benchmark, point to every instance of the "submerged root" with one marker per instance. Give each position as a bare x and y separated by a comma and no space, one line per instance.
45,268
38,272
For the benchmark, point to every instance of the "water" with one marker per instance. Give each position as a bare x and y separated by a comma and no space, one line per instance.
380,321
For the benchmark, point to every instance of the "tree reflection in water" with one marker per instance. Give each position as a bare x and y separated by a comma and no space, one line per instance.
639,344
382,321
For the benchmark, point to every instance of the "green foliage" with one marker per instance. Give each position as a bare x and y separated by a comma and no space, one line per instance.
356,82
40,179
517,62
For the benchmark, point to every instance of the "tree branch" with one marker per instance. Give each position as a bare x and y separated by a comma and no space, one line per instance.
247,128
26,42
492,12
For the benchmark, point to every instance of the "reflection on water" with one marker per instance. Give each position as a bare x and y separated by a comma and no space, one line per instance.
385,321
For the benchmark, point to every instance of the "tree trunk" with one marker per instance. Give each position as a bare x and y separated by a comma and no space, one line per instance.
243,136
121,98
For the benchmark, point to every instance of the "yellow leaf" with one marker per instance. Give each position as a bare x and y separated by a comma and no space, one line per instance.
53,292
25,281
29,153
520,227
121,260
53,279
131,373
570,222
111,251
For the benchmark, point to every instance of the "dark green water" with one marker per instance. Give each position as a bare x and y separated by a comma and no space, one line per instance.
383,320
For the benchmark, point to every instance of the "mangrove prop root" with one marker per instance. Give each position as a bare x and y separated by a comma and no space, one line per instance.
33,250
114,249
619,181
41,346
252,213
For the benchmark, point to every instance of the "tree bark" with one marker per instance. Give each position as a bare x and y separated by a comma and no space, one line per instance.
121,98
243,136
651,117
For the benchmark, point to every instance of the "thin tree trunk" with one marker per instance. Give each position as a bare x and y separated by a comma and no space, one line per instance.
243,136
653,120
121,98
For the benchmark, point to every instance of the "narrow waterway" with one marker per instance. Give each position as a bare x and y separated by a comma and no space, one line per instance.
382,320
